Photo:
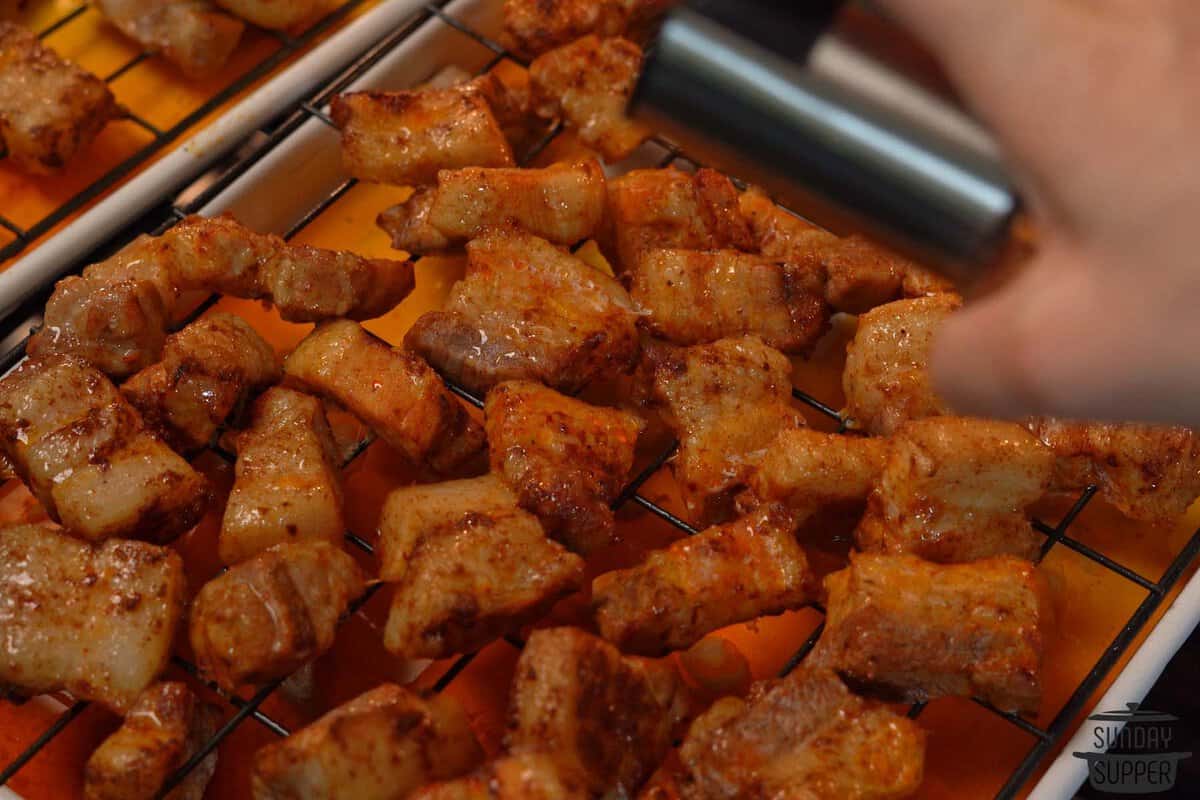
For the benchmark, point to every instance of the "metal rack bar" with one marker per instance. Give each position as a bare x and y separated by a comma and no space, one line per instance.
1045,740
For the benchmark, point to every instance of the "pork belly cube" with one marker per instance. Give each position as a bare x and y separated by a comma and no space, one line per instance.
208,370
469,567
88,458
607,718
562,203
382,745
804,471
588,84
726,401
94,620
732,573
805,735
699,296
1149,472
528,310
50,108
566,460
166,727
197,37
914,630
887,380
528,777
652,209
405,138
393,392
531,27
286,485
956,490
268,616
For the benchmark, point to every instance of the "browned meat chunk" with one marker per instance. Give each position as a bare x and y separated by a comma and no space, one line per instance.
913,630
192,34
527,777
531,27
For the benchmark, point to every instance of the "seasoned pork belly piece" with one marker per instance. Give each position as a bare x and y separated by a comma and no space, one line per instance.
607,718
859,274
267,617
1149,472
531,27
588,84
956,490
726,401
394,392
528,310
804,471
527,777
94,620
50,109
563,203
805,736
652,209
566,460
208,370
887,380
274,14
698,296
161,732
286,485
405,138
469,567
305,284
913,630
89,459
728,574
194,35
382,745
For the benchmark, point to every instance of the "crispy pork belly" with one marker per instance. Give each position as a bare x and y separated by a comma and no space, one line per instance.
165,727
566,460
651,209
608,718
528,310
956,490
274,14
382,745
860,274
1149,472
469,567
88,457
532,27
95,620
698,296
913,630
588,84
305,284
732,573
286,485
726,401
194,35
563,203
405,138
267,617
208,370
804,736
804,471
50,109
887,380
394,392
528,777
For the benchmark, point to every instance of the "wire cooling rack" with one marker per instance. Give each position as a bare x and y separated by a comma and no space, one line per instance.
1042,740
160,138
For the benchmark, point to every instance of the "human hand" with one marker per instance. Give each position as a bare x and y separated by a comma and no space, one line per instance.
1097,106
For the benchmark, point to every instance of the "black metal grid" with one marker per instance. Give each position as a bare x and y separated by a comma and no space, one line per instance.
161,139
1044,739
